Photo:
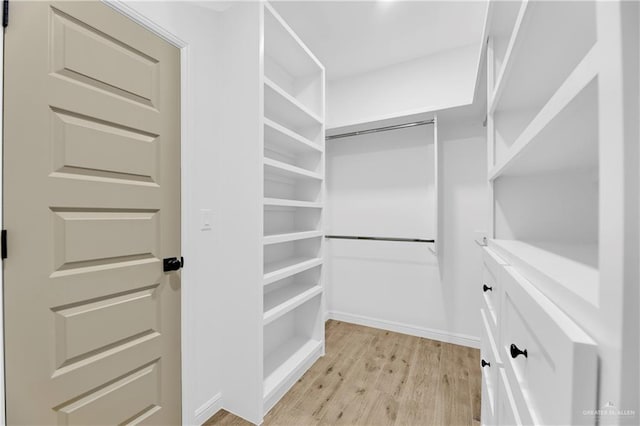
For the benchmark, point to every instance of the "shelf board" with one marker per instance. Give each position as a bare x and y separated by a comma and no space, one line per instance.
571,266
285,140
542,51
281,202
290,236
276,271
286,109
282,44
286,299
563,135
285,362
507,61
285,170
503,18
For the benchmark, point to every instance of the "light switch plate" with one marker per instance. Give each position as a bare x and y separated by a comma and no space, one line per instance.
206,219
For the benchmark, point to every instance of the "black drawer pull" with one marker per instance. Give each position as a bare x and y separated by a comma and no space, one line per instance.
486,288
515,351
484,363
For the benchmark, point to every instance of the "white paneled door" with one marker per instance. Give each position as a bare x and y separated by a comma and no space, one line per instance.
92,206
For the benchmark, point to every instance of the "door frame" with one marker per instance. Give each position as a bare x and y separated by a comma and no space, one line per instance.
185,149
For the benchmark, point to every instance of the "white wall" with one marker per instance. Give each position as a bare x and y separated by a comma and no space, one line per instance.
201,366
380,184
435,82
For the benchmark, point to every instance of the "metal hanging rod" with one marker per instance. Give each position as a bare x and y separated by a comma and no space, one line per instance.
353,237
380,129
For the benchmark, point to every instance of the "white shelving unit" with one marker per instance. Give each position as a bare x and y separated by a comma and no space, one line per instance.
543,127
293,205
558,142
271,95
542,52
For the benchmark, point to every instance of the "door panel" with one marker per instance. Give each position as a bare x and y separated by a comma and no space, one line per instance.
92,205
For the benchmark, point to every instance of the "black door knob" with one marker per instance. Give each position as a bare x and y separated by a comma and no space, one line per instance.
515,351
486,288
484,363
172,264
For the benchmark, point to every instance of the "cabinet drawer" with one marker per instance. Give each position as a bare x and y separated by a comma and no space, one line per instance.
489,364
557,375
507,412
491,267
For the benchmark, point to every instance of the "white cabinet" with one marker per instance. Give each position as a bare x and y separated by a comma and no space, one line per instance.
550,362
562,160
538,366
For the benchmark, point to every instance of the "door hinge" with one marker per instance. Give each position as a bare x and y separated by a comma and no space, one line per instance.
5,13
3,244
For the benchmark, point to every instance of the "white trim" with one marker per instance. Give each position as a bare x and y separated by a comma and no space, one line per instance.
134,15
208,409
412,330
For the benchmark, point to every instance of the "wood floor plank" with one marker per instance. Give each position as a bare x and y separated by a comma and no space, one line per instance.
324,387
453,404
374,377
419,396
341,343
348,400
224,418
394,375
475,383
383,410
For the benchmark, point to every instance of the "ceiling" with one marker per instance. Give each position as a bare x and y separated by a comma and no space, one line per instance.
352,37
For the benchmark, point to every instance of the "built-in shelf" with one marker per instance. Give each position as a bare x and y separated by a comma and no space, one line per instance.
284,362
512,39
279,138
283,300
285,170
504,18
283,108
276,271
571,266
543,50
564,134
286,48
293,186
290,236
290,64
280,202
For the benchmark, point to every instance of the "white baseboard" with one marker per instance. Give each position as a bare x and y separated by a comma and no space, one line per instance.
439,335
208,409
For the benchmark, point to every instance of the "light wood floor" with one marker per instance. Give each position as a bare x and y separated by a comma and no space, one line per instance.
375,377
